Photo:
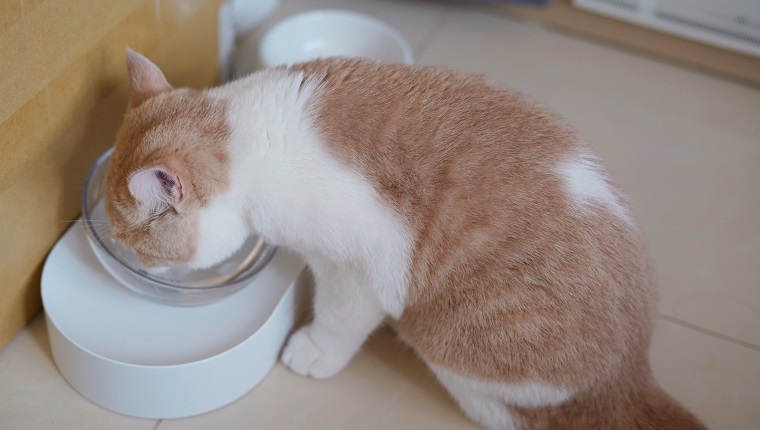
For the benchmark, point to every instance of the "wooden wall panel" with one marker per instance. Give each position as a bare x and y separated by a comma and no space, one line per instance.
63,86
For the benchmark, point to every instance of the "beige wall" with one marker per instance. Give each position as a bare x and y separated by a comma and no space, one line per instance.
62,95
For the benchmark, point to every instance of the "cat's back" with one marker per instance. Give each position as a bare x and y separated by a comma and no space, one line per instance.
414,128
435,107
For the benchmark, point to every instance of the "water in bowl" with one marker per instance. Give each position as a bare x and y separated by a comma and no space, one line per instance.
221,273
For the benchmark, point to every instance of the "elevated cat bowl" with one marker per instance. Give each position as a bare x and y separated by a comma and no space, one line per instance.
146,359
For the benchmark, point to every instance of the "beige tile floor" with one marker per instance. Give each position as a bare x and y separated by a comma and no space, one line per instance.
686,147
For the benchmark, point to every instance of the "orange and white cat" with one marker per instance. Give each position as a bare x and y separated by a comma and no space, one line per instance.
477,221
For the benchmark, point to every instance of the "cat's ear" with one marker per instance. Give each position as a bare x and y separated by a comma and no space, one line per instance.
157,189
145,78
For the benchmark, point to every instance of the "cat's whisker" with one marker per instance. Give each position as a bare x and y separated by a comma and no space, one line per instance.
80,219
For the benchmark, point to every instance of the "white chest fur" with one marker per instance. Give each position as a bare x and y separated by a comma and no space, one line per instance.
295,193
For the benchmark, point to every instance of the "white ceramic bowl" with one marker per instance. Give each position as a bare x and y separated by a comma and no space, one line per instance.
326,33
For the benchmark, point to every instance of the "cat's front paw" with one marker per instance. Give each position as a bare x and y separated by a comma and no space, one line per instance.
303,356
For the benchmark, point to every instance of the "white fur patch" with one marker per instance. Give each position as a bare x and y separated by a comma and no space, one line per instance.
484,402
587,186
221,231
296,194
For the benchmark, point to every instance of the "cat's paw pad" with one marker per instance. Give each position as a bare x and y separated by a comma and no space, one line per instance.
304,357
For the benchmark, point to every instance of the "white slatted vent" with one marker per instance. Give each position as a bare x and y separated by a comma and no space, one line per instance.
729,24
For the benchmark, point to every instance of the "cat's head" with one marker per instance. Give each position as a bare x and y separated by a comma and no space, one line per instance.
167,187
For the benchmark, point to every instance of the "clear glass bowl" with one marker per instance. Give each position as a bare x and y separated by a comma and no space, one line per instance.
176,286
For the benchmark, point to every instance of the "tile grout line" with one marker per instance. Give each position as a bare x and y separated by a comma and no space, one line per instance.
708,332
424,44
158,423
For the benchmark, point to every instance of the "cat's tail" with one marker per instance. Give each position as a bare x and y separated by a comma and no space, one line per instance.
637,403
654,409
